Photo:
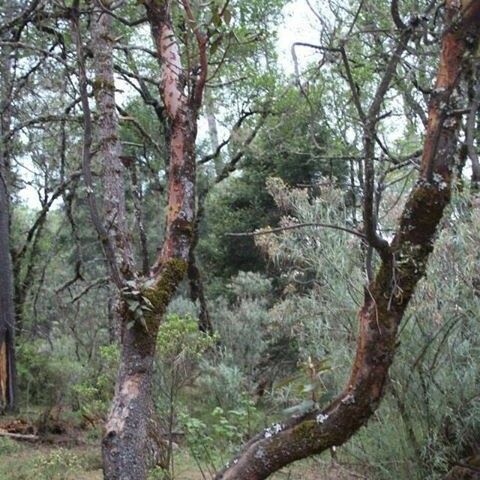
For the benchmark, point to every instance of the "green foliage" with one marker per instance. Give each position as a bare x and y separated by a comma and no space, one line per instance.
58,465
243,204
93,394
213,439
180,346
180,337
221,383
306,384
28,462
429,417
52,377
435,378
46,375
8,446
243,324
281,304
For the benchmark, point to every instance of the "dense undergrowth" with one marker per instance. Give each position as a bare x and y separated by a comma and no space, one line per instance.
280,348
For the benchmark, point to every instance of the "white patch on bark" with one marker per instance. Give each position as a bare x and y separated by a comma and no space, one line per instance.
273,430
129,391
171,71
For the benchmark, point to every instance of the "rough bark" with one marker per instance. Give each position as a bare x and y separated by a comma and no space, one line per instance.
7,312
388,295
127,430
7,309
109,146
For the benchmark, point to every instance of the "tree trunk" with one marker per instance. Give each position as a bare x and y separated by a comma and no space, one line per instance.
389,294
7,311
7,308
125,453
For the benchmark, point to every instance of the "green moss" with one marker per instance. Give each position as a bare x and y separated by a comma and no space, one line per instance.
100,84
171,275
306,430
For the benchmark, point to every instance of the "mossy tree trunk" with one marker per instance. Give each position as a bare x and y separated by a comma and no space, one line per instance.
128,431
389,294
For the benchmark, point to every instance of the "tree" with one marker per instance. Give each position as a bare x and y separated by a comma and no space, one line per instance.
276,131
141,301
7,311
10,32
403,263
21,70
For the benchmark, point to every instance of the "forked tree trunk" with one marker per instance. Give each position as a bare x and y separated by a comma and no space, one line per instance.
126,444
389,294
125,441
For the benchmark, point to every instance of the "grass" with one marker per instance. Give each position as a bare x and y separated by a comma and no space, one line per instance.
19,461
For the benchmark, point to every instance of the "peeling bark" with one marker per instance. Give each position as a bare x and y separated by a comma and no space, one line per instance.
388,295
129,438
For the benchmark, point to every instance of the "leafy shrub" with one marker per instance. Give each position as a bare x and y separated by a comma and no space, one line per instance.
92,395
215,438
46,372
58,465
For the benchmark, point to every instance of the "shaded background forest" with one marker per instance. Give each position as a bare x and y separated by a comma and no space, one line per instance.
277,310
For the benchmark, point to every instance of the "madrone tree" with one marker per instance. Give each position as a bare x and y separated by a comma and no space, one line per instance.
141,301
403,264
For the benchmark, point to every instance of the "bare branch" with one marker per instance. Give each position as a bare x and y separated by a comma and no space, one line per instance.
211,156
96,283
270,231
396,15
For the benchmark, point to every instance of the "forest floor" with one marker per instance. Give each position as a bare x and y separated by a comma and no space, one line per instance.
49,462
76,456
21,461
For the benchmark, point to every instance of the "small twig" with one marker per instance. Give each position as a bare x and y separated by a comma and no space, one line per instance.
97,282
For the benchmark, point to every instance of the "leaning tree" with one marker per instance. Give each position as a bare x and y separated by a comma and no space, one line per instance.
403,260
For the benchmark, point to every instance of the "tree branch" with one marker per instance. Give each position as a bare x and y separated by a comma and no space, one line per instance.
87,155
270,231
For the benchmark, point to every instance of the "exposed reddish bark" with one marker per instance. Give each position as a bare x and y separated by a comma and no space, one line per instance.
182,112
388,295
128,431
